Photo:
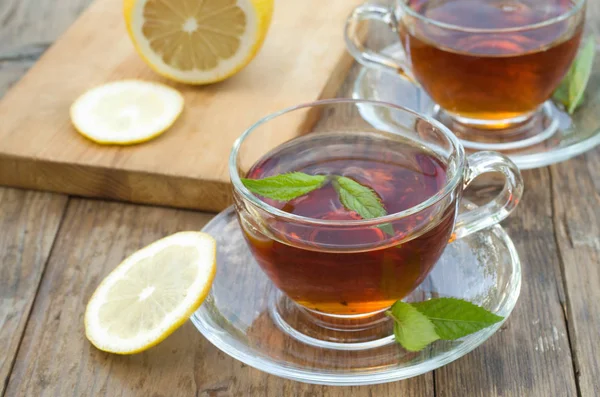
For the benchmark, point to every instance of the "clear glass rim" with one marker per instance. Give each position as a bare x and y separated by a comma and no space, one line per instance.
458,153
403,4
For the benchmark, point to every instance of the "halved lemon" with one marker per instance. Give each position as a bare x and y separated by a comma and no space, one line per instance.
197,41
151,293
126,112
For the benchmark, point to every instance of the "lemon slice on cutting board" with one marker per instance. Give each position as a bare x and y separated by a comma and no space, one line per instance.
126,112
151,293
197,41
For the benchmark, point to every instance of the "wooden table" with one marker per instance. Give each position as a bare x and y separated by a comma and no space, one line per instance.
55,249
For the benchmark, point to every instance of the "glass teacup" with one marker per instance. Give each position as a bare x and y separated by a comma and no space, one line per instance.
489,65
321,254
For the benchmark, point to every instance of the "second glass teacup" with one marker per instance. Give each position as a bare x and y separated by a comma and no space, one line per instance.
324,256
489,65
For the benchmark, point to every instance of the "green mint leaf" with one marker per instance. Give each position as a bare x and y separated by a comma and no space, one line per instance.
285,187
387,228
412,329
561,95
571,89
358,198
454,318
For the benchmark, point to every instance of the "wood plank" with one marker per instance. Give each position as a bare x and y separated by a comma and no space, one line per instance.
303,59
576,204
142,187
29,222
27,28
530,356
56,359
576,201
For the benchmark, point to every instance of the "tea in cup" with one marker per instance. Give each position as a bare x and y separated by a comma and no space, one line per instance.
327,257
488,64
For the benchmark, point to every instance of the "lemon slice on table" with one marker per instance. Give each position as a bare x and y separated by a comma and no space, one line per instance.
126,112
197,41
151,293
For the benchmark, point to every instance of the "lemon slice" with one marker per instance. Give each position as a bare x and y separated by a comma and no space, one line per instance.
151,293
197,41
126,112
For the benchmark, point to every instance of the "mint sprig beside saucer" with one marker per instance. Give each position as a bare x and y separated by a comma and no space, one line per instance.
571,90
416,325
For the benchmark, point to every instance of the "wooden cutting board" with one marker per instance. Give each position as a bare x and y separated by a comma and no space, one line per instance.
303,59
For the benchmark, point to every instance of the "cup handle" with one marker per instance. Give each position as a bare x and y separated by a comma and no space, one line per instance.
502,205
367,56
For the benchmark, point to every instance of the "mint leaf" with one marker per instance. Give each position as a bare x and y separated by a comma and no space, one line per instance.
571,89
418,324
285,187
387,228
454,318
412,329
354,196
358,198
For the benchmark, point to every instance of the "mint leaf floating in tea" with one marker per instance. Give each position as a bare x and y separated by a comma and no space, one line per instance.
454,318
449,318
285,187
387,228
358,198
362,200
571,90
412,329
353,196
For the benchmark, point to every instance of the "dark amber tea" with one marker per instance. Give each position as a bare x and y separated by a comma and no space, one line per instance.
364,211
306,263
499,65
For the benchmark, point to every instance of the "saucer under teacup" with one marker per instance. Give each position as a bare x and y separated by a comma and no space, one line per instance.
552,136
247,317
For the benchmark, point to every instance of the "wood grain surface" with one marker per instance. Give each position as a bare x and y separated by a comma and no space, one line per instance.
27,29
575,192
576,212
549,346
29,221
28,224
303,59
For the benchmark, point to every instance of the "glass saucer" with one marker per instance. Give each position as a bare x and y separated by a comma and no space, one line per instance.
248,318
558,137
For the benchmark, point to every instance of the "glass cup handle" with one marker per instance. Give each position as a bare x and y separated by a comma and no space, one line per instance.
354,38
502,205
